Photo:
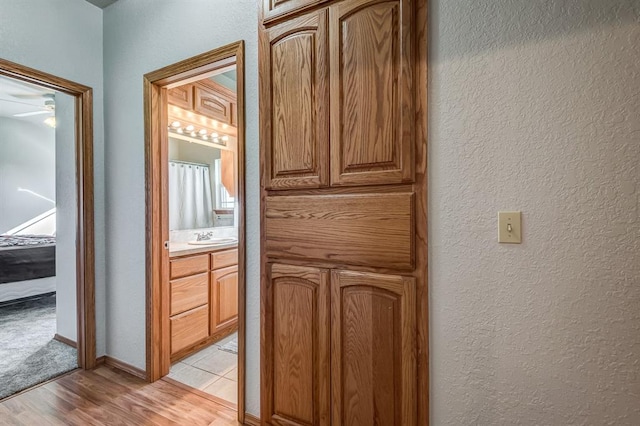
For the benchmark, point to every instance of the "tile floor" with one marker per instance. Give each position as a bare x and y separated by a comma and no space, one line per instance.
211,370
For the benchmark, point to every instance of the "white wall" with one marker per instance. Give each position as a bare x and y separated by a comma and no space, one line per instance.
141,36
66,216
535,106
28,161
64,38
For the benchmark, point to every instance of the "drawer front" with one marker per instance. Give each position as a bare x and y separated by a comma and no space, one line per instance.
189,266
189,292
189,328
224,258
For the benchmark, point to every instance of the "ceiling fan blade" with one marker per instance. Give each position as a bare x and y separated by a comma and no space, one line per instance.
28,114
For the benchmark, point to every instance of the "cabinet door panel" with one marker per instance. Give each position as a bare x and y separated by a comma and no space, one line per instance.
214,101
189,328
274,9
297,351
181,96
224,294
295,75
371,92
373,350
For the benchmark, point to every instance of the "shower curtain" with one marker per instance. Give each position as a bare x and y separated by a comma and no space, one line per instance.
190,205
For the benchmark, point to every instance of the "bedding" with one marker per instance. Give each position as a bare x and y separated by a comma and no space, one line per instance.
26,257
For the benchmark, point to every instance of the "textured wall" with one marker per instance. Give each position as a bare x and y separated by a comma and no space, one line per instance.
535,106
141,36
64,38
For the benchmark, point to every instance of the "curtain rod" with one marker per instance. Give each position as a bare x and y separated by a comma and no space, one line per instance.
188,163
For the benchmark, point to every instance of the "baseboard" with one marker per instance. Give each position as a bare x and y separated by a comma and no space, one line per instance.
251,420
120,365
66,341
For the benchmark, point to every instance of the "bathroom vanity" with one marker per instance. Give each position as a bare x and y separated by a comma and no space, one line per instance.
203,295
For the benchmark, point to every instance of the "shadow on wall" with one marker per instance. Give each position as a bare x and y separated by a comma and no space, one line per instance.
550,19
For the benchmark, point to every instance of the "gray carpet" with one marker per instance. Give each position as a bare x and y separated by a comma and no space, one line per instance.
28,353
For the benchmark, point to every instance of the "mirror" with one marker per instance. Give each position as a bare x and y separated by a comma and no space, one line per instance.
202,152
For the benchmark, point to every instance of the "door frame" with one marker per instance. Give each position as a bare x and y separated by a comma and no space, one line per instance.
85,237
157,157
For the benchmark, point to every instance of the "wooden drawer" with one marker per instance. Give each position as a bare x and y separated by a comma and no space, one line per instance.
189,266
189,292
223,259
189,328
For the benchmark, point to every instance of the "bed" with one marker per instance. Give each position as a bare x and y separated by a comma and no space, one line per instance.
27,257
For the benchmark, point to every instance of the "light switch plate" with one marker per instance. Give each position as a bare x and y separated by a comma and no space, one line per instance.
509,227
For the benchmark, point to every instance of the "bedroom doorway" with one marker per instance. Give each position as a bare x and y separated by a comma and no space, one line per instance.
47,322
194,122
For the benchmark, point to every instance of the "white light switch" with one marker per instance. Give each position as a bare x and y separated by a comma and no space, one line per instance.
509,227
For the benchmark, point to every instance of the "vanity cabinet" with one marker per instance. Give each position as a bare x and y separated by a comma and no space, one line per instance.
204,299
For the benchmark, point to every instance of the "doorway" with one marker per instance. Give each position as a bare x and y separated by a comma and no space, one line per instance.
194,136
46,247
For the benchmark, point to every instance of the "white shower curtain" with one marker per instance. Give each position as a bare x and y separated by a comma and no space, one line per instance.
190,205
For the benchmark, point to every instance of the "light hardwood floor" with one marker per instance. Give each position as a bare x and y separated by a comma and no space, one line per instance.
106,396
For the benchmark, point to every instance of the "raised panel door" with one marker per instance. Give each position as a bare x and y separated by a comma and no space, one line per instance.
276,9
224,298
215,102
295,101
372,106
296,328
373,349
181,96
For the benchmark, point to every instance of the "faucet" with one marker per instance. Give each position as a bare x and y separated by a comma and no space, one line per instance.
204,236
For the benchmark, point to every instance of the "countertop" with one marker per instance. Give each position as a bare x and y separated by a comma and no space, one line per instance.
183,249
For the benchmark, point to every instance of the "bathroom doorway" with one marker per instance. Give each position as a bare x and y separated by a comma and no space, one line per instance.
47,320
194,120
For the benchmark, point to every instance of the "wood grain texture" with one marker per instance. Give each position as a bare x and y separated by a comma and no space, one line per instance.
222,259
251,420
296,135
228,171
189,327
85,234
189,292
298,352
214,101
106,396
370,230
224,298
373,349
275,10
181,96
191,265
123,366
371,92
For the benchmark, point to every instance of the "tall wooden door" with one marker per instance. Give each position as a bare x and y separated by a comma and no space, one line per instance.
343,213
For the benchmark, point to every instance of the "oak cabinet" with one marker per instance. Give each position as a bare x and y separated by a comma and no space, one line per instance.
373,349
224,298
203,299
296,73
215,101
276,9
297,346
181,96
340,96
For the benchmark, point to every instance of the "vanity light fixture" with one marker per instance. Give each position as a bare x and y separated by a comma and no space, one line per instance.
175,124
189,128
203,132
214,135
180,130
194,134
225,138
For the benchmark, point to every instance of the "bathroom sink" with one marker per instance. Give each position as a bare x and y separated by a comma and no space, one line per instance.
213,241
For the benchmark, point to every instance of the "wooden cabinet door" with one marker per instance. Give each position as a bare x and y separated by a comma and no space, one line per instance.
372,106
295,103
181,96
296,338
215,101
373,349
224,298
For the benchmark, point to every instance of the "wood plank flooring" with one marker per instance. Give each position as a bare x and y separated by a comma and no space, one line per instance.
106,396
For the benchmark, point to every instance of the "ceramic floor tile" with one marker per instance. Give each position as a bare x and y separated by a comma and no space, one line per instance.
232,375
225,389
218,362
226,339
191,360
191,376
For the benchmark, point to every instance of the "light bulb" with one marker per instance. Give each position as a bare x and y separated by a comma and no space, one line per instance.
189,128
180,130
203,131
175,124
